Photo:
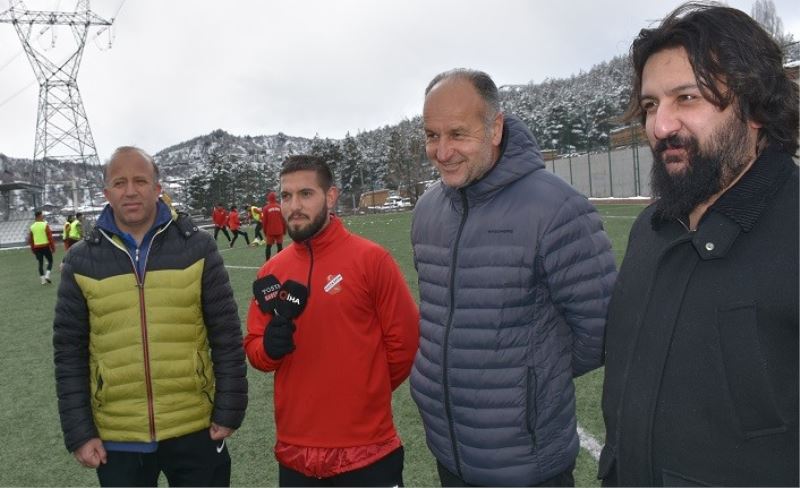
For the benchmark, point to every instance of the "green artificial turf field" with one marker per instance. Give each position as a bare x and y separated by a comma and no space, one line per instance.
33,452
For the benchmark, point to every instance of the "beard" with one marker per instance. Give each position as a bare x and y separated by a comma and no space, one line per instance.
309,230
709,170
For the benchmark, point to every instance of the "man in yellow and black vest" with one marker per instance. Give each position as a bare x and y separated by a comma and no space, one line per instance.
149,365
40,239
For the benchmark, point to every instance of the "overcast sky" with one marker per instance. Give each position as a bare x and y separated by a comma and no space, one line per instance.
182,68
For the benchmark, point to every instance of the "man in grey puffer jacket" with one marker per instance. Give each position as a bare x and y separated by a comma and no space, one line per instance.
515,275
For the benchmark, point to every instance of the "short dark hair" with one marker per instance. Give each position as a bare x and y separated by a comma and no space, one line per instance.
482,83
306,162
37,213
127,149
726,45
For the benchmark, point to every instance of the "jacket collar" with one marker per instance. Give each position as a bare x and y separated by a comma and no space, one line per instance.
107,223
519,156
745,202
333,233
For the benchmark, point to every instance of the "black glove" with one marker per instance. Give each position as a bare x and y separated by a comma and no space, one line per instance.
278,338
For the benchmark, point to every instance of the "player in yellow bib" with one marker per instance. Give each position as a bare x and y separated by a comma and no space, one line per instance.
40,239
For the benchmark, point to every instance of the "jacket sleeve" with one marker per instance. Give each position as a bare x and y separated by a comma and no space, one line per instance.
399,318
254,341
221,316
71,360
580,272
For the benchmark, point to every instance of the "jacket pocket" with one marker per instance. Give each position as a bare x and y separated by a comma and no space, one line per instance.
98,383
530,403
745,371
204,383
672,478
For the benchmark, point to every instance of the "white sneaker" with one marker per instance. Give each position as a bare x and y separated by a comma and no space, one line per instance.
44,281
47,276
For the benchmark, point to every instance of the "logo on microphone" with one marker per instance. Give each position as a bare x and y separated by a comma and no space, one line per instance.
332,287
271,291
288,297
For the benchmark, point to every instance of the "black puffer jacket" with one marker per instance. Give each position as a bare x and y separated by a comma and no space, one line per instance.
178,245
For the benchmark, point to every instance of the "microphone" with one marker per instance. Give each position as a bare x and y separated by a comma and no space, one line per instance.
291,300
265,291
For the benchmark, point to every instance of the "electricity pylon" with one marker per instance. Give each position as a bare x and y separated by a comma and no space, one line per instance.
62,128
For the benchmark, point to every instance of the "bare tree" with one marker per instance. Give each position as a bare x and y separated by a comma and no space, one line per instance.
764,13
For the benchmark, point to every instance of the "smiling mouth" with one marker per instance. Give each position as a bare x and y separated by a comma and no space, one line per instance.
450,166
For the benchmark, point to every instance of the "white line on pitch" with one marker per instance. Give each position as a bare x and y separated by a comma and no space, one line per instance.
592,446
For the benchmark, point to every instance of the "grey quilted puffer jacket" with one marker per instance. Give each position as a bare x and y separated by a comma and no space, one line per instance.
515,276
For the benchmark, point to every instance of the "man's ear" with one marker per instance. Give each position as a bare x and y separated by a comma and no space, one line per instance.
331,196
497,129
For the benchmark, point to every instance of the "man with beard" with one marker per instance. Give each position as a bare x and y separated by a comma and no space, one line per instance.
337,363
701,382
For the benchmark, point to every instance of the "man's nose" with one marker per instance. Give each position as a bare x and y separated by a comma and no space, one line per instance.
444,150
665,122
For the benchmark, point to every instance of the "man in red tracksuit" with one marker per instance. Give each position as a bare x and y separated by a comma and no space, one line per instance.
234,223
338,362
220,218
274,225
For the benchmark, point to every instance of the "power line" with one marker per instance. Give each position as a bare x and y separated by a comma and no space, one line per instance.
5,65
17,93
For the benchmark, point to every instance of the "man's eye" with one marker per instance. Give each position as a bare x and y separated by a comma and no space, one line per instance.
648,106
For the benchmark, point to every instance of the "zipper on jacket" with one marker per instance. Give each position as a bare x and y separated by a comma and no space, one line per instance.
146,350
448,327
143,324
145,344
310,267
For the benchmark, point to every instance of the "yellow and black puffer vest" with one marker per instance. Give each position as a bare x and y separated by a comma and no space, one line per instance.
150,371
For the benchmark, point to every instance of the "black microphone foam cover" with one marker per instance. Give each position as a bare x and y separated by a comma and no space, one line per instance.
265,291
292,299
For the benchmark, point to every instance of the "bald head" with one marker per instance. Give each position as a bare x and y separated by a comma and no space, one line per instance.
123,151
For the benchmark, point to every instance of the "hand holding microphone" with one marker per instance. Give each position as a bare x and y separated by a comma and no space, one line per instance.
278,341
285,302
